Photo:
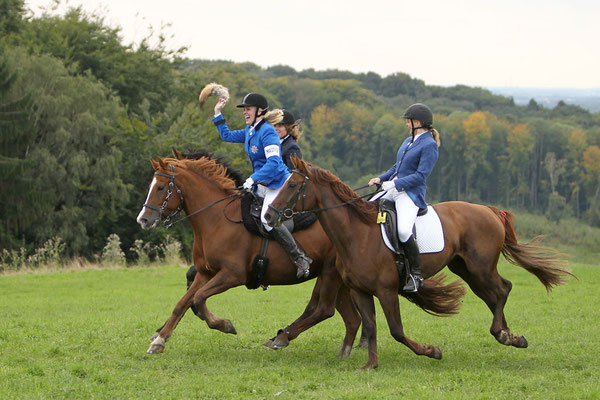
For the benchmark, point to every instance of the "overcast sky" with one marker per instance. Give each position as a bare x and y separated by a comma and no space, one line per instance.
525,43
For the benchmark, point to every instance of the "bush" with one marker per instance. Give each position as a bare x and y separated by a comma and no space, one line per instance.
144,251
171,250
112,253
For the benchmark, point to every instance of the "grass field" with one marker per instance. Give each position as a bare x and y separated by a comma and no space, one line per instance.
84,334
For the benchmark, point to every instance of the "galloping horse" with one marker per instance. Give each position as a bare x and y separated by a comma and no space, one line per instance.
474,236
224,250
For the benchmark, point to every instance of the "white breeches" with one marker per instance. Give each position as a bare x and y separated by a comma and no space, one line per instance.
269,195
406,211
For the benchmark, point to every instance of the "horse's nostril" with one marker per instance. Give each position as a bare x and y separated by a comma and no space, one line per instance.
268,216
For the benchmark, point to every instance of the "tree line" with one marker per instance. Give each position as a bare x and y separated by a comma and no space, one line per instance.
81,114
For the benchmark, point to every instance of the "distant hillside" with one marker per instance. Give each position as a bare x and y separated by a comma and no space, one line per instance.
549,97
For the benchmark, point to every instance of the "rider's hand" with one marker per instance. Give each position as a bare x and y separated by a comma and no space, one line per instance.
374,181
220,105
388,185
248,184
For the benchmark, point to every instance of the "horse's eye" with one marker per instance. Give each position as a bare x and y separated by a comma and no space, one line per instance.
292,185
160,188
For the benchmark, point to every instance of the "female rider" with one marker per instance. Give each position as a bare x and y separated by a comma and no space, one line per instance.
288,131
262,145
406,182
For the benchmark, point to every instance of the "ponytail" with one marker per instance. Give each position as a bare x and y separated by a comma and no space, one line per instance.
436,136
294,130
274,117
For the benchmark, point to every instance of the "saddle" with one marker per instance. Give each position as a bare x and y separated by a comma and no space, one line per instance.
389,218
251,207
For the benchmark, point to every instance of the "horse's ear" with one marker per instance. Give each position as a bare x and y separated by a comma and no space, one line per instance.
295,160
162,163
177,154
154,164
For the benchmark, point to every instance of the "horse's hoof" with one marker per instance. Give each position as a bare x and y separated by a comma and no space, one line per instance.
228,327
157,346
369,365
521,342
268,343
154,336
435,352
363,344
280,343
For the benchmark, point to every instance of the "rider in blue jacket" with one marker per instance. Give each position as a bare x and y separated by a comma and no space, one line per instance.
262,145
406,182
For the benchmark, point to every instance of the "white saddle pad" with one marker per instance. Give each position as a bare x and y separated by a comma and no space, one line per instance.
430,234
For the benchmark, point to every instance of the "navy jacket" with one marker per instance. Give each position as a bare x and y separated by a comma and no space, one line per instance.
413,166
289,146
263,141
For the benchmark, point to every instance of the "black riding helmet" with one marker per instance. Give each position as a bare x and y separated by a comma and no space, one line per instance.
420,112
288,118
254,99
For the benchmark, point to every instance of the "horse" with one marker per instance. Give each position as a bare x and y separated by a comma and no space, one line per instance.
474,237
223,250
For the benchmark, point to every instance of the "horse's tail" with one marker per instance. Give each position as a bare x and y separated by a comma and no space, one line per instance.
543,262
436,297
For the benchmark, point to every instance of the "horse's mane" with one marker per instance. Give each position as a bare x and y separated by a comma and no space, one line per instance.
212,167
365,210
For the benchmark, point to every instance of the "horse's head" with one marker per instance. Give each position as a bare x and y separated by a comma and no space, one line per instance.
161,205
289,197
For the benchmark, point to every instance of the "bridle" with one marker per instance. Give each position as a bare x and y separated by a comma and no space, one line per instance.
165,218
288,211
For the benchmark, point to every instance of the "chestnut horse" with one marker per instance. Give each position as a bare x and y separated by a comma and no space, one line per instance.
224,250
474,236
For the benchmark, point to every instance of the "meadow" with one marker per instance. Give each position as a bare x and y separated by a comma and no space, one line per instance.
84,334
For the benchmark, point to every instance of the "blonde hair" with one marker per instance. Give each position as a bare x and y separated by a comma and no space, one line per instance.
276,116
436,136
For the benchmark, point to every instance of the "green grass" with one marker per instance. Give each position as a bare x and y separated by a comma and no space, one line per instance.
84,334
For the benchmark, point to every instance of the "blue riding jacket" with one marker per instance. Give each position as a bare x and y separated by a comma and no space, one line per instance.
269,171
413,165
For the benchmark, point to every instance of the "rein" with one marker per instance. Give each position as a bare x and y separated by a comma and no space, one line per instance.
288,211
172,185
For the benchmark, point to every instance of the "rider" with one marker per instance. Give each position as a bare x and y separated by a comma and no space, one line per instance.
288,131
262,145
406,182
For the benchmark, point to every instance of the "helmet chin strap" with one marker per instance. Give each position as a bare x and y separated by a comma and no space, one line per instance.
256,115
413,129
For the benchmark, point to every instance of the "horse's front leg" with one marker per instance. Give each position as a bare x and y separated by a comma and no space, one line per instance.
388,298
160,338
219,283
190,276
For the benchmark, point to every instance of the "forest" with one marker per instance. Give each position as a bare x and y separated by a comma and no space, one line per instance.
82,113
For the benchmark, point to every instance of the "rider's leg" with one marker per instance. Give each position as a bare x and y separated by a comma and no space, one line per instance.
407,214
283,236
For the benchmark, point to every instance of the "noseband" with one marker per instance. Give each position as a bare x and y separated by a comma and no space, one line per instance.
164,218
288,211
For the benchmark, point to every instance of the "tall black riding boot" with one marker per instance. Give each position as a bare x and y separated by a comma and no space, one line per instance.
300,259
414,281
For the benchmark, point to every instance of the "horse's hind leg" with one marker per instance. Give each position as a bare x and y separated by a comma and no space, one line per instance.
351,317
389,303
482,277
366,307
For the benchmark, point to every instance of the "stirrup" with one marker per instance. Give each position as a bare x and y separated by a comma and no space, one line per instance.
303,264
413,284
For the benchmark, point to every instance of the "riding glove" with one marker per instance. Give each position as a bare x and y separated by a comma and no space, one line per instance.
248,184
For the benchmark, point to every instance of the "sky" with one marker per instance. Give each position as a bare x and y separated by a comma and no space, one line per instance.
484,43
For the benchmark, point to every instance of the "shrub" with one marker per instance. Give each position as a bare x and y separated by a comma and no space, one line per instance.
112,253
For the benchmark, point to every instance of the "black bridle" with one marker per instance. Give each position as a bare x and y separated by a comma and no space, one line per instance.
288,210
164,217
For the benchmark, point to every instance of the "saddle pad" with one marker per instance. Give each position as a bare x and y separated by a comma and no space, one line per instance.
430,235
